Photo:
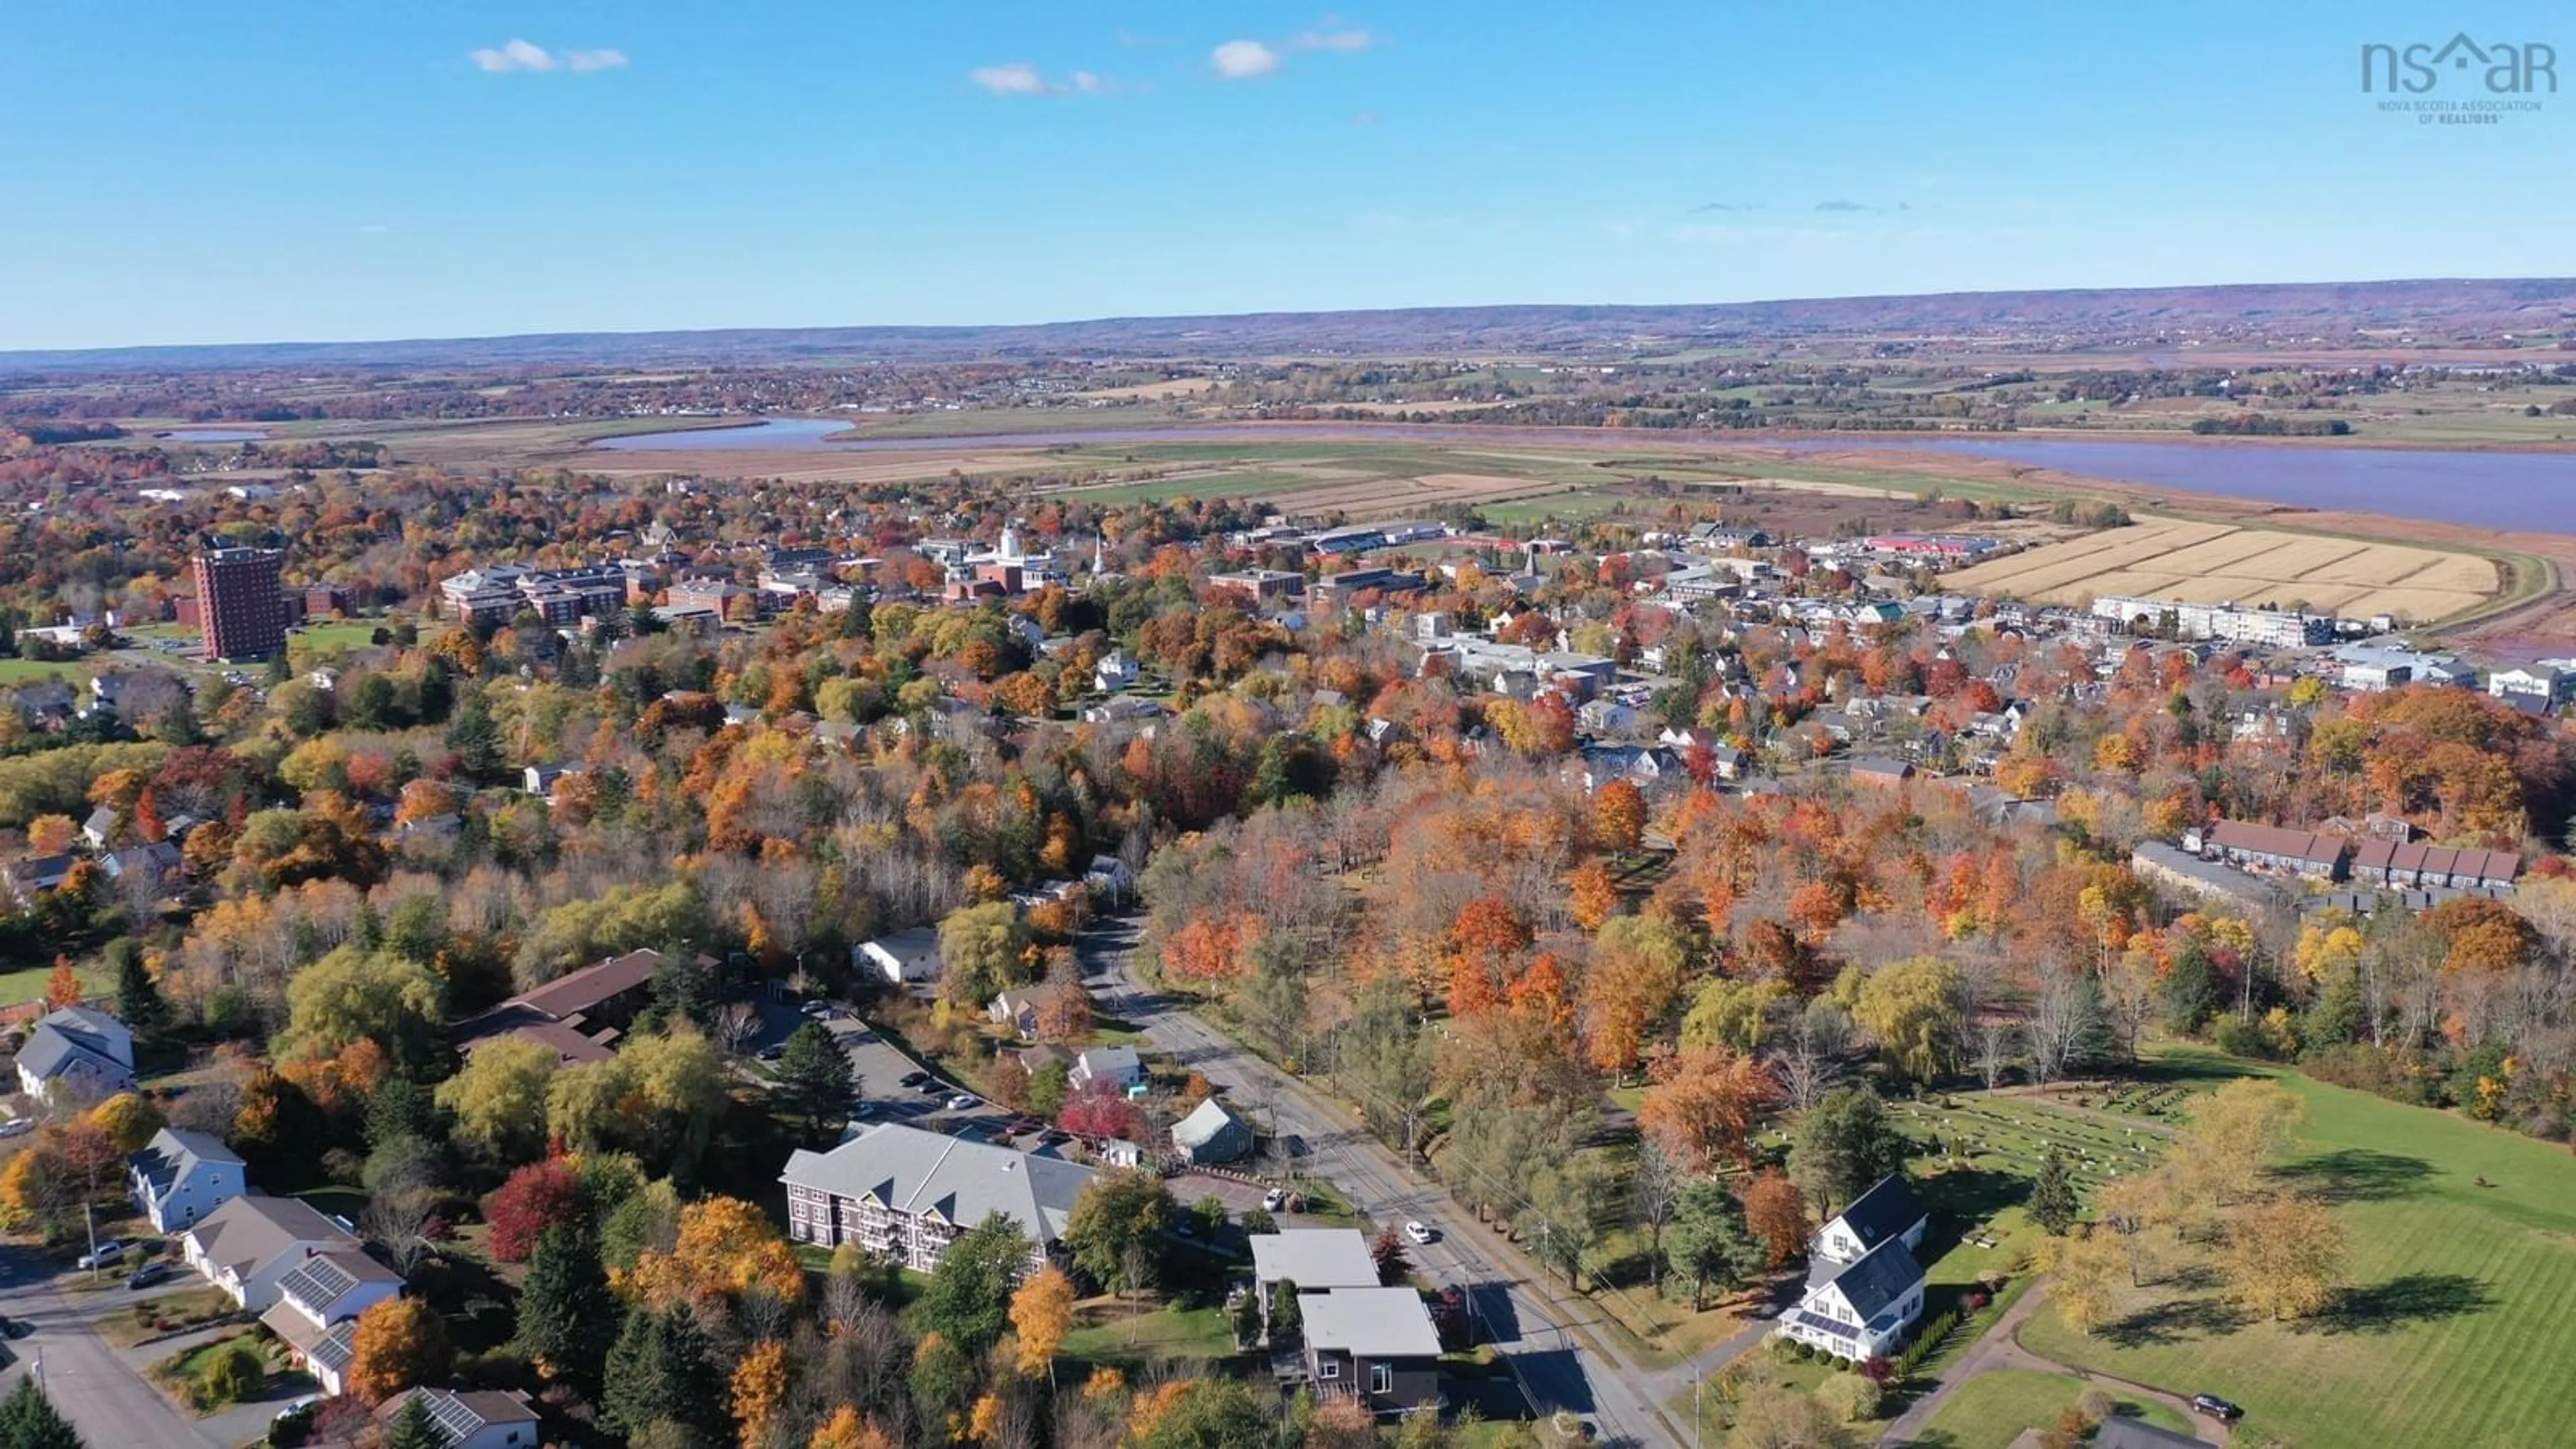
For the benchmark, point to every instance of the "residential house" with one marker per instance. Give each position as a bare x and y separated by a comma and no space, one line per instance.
1310,1260
902,957
2118,1432
1017,1010
1036,1059
1645,766
1877,770
1864,1284
1118,1066
581,1014
1115,671
905,1194
1211,1133
2399,865
26,879
481,1419
1109,875
248,1245
317,1308
144,872
76,1050
2309,853
181,1176
99,828
2550,680
1376,1345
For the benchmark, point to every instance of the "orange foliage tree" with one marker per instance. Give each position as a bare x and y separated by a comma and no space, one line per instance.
1703,1103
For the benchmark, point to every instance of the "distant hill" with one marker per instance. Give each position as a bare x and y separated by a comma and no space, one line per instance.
2331,311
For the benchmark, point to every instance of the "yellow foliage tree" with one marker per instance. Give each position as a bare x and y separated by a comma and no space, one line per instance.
2283,1256
759,1388
128,1120
725,1246
1041,1315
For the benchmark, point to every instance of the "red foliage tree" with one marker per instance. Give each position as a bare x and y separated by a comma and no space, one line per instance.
536,1197
1098,1112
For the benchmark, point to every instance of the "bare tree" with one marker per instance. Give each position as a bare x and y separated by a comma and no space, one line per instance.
737,1024
1810,1051
1654,1187
398,1222
1994,1043
2065,1019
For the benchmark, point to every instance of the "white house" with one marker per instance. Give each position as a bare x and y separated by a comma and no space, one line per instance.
246,1246
181,1176
2546,680
317,1308
89,1050
1864,1284
1115,671
1118,1066
903,957
1017,1010
480,1419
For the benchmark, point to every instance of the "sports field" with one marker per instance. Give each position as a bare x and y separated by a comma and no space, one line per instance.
2210,563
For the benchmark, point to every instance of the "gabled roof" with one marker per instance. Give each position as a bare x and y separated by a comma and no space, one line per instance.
1887,1210
2300,845
1205,1121
1314,1258
75,1035
1369,1322
964,1182
173,1151
248,1233
1877,1278
588,988
326,1277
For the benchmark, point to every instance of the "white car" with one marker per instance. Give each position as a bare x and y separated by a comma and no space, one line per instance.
962,1102
1275,1199
297,1406
1418,1232
17,1126
102,1255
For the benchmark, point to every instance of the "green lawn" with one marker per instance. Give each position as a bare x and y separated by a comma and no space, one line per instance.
1110,1333
1990,1410
29,982
320,641
37,671
2453,1329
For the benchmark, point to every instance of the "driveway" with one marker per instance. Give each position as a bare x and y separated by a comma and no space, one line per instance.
1558,1365
105,1396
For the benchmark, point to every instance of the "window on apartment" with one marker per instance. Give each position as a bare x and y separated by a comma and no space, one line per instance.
1331,1369
1381,1379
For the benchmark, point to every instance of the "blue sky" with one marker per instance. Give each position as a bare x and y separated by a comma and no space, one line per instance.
186,171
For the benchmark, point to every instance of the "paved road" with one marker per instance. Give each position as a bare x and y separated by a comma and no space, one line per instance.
1557,1367
94,1388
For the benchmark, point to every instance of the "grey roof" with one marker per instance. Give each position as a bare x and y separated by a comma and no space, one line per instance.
323,1279
337,1348
2119,1433
1110,1061
249,1232
1888,1209
1370,1322
1205,1121
1878,1278
913,1171
172,1151
1314,1258
74,1035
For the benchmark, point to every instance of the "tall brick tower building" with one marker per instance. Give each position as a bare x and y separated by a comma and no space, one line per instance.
240,605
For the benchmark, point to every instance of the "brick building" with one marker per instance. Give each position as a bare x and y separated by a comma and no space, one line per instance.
241,609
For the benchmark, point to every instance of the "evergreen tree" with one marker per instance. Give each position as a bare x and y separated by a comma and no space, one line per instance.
29,1420
1708,1243
475,739
1844,1146
565,1308
2052,1197
401,1108
413,1428
138,997
659,1369
816,1082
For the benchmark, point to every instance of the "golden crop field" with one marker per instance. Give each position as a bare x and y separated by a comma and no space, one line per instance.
2208,563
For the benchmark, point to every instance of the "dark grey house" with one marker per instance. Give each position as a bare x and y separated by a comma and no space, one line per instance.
1376,1345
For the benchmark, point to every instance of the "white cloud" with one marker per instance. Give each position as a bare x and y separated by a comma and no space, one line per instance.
1341,40
1244,59
526,55
1016,79
1091,85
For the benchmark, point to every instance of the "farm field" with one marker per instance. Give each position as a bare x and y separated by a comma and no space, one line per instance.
2209,563
2452,1328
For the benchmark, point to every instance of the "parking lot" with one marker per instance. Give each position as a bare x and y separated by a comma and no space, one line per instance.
881,1067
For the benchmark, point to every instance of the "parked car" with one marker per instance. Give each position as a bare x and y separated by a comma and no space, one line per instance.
913,1079
771,1053
1024,1126
1054,1137
1275,1199
1419,1232
2216,1407
15,1327
17,1126
963,1102
862,1111
298,1408
819,1010
104,1254
147,1275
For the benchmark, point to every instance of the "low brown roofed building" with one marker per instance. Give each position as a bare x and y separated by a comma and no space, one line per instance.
581,1014
2272,847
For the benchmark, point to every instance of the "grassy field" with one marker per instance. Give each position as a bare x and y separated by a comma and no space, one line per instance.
323,640
1990,1410
2453,1328
28,982
1110,1333
36,671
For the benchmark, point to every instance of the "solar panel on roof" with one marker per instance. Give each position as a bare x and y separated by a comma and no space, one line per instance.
453,1419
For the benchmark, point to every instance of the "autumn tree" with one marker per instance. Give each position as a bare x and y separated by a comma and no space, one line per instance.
499,1099
1777,1213
1041,1315
1702,1103
2282,1256
1591,895
1912,1007
2234,1133
1619,815
399,1343
1635,975
534,1199
1117,1214
724,1247
2086,1269
757,1389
